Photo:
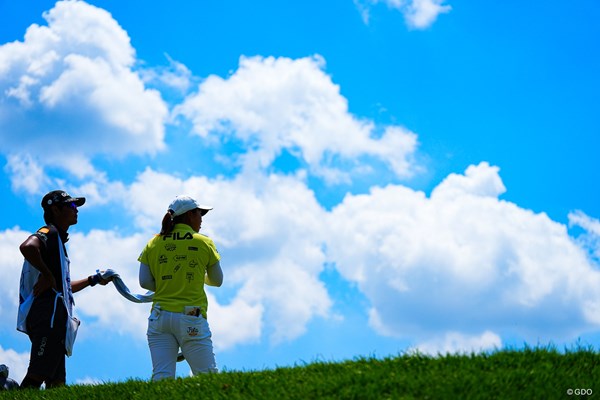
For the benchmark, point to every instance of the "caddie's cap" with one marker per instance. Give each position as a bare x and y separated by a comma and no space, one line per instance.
61,197
183,204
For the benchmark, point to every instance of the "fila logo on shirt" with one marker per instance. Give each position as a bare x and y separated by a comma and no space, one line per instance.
178,236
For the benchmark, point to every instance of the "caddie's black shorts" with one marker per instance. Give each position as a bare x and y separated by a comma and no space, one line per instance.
47,357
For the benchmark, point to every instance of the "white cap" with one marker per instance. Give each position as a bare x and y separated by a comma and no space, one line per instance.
183,204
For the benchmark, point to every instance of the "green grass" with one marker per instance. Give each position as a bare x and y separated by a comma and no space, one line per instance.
540,373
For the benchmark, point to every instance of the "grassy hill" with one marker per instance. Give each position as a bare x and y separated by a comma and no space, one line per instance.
540,373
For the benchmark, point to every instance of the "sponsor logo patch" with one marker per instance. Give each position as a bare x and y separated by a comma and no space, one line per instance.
178,236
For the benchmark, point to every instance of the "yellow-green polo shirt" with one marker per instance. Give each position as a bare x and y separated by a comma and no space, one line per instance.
178,263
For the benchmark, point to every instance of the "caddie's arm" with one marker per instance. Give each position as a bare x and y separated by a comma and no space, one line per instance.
31,250
91,280
214,275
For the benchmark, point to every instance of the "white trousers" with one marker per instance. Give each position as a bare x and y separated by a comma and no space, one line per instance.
168,332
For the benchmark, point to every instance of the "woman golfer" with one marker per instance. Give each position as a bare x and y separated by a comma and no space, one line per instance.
176,264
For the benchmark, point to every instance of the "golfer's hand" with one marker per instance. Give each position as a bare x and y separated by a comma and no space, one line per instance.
44,283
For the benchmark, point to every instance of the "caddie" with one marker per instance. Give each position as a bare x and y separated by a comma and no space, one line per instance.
46,292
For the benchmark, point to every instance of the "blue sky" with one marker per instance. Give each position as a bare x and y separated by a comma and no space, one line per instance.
386,175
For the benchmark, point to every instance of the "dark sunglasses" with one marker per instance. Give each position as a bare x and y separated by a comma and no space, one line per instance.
70,205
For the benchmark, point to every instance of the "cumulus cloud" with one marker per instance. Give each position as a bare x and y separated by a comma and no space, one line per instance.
11,262
453,271
102,307
455,342
421,14
28,174
89,381
235,323
69,92
25,173
462,260
590,238
271,104
175,76
418,14
17,363
10,265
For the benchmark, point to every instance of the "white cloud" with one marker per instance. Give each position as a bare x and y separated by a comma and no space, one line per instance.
296,298
579,218
17,363
176,76
363,7
590,238
272,104
236,323
463,261
89,381
482,181
100,190
443,268
418,14
458,343
11,262
148,205
28,175
72,83
101,307
25,173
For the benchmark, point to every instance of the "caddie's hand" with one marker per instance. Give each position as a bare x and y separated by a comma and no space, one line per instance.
44,283
105,281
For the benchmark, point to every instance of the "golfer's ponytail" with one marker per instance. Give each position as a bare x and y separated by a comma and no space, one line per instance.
167,223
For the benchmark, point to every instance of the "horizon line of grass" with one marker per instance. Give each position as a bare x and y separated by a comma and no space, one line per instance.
531,372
